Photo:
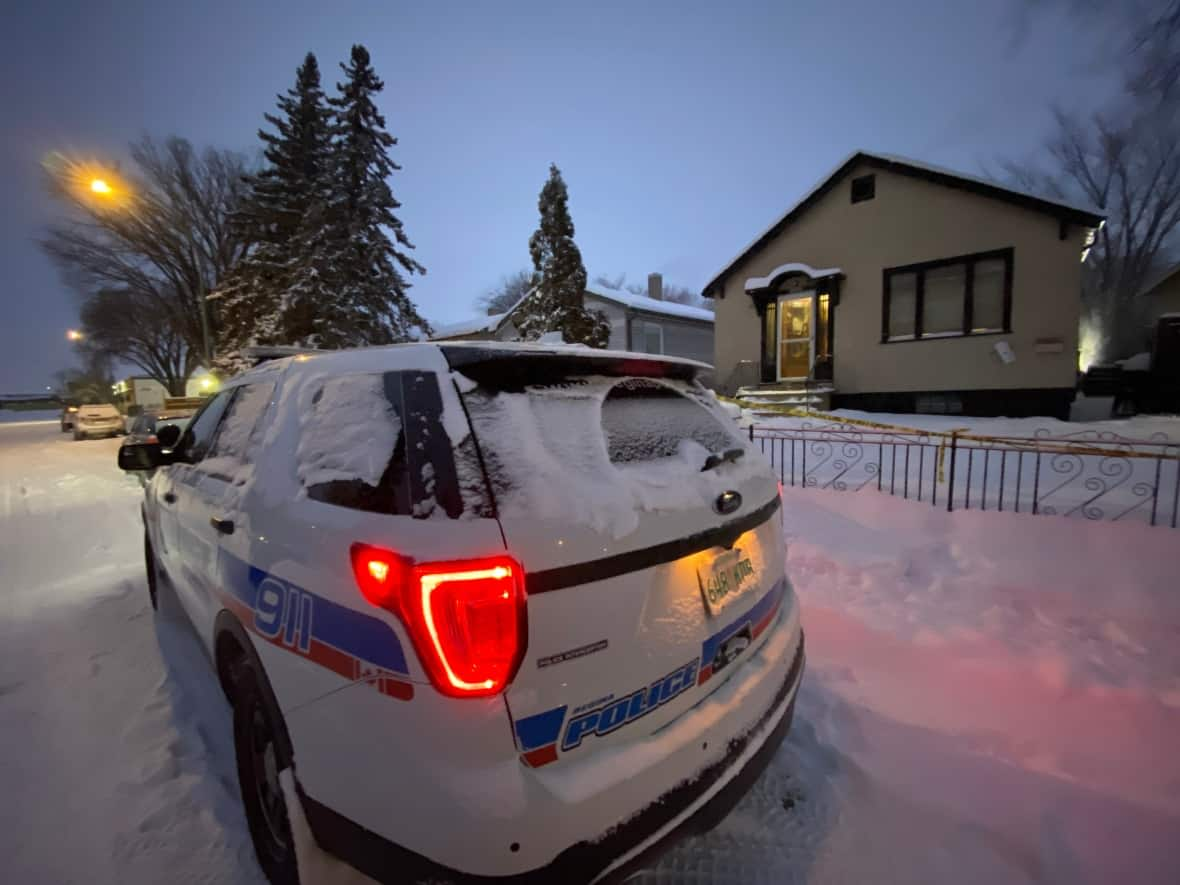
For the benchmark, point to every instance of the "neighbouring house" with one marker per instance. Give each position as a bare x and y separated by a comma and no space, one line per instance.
1163,295
897,286
643,323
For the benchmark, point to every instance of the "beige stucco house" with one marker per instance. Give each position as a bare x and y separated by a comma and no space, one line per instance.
897,286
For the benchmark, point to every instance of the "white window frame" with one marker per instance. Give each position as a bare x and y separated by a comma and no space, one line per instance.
645,326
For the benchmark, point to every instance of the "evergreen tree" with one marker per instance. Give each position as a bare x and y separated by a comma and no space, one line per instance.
255,303
559,275
373,307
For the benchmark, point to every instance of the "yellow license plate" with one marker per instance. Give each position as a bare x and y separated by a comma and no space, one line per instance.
725,578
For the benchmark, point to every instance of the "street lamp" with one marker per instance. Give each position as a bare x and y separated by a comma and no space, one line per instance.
101,186
73,335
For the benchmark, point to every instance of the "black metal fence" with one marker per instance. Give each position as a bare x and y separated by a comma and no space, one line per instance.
1090,474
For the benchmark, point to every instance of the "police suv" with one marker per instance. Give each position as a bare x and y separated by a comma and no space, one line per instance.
504,611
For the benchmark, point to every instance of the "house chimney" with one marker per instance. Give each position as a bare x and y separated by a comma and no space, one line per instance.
655,286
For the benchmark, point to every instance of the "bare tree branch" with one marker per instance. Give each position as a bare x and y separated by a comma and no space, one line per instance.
165,243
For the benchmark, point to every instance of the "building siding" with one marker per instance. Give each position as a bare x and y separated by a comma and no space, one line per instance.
686,339
682,337
1164,298
616,316
909,221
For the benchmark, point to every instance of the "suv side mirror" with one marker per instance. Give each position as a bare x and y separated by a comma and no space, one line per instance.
140,456
169,436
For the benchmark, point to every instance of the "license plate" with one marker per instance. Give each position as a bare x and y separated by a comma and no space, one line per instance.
725,578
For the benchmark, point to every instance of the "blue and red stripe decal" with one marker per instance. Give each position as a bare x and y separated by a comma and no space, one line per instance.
351,644
538,735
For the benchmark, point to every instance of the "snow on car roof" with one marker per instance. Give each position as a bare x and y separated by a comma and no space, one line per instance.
410,351
579,350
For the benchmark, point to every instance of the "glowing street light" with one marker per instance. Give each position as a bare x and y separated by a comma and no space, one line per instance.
73,335
101,186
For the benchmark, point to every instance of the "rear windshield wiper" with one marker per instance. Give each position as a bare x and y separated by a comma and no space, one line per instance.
725,457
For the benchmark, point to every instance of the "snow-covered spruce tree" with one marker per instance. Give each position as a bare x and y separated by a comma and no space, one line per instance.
255,301
559,275
372,304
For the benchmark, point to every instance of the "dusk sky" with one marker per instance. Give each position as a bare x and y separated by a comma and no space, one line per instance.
682,129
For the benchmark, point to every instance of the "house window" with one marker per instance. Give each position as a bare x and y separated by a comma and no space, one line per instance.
651,337
864,188
948,298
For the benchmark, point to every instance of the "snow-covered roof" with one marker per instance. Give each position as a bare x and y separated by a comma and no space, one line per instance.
905,165
791,267
650,305
1084,208
469,327
483,324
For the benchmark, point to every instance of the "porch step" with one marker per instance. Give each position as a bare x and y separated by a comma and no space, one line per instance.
787,395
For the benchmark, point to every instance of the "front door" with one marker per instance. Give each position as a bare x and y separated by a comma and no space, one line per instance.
796,336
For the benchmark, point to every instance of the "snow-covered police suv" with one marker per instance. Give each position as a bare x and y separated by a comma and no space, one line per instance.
504,611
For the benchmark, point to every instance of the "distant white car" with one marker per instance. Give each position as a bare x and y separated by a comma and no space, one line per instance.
507,613
101,420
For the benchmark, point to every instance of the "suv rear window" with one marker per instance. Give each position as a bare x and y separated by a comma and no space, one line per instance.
644,420
597,450
376,442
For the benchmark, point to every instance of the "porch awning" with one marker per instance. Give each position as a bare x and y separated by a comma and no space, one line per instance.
755,284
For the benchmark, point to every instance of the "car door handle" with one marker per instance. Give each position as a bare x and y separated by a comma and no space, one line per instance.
225,526
169,497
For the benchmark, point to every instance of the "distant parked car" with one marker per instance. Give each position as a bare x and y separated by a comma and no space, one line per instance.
100,420
143,428
67,418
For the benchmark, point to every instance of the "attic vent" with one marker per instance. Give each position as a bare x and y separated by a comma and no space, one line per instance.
864,188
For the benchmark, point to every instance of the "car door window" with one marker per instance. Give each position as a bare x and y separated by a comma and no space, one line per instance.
377,443
239,430
199,435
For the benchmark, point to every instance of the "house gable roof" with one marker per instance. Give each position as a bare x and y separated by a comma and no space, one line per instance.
1073,214
650,305
1160,279
641,303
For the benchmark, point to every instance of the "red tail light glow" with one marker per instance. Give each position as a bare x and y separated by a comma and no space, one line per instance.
467,619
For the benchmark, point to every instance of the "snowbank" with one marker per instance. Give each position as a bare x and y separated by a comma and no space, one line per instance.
989,697
14,416
1138,427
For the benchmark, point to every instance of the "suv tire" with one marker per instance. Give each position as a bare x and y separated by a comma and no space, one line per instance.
259,764
153,572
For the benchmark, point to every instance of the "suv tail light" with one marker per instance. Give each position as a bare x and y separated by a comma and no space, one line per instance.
467,619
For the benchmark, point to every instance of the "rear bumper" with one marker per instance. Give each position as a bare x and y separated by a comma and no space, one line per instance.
694,806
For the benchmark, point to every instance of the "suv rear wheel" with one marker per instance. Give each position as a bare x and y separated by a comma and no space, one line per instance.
153,579
259,763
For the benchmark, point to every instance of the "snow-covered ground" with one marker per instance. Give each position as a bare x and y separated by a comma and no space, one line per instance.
13,416
989,698
117,759
1137,427
1126,470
